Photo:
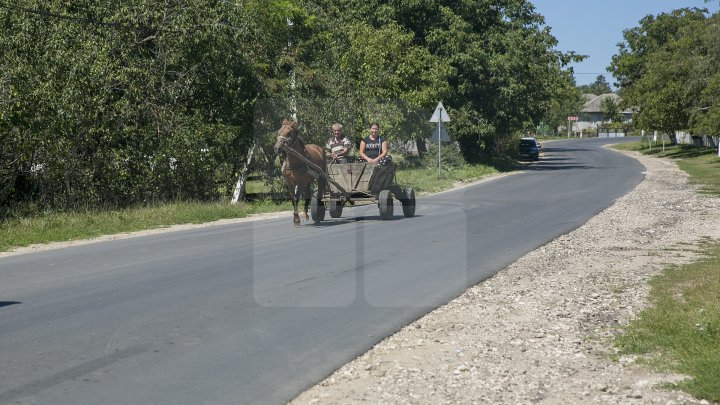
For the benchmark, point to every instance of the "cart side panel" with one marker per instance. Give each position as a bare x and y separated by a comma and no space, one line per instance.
361,177
382,177
347,175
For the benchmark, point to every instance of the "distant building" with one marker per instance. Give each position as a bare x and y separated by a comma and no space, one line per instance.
591,116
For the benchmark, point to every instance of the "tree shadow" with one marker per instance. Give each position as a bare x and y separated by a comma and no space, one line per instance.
690,152
551,149
547,165
553,159
679,151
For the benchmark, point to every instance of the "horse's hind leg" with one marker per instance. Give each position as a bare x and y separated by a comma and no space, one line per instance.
296,216
322,186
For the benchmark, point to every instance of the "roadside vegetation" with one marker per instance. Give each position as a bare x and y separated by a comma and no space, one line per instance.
125,103
702,164
160,103
58,226
680,330
51,226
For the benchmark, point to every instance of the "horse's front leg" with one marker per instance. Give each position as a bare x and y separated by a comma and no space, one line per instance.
295,198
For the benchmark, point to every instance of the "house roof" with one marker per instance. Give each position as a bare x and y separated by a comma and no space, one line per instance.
594,104
587,97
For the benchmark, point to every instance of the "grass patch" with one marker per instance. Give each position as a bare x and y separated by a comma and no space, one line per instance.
702,164
680,331
65,226
426,180
703,170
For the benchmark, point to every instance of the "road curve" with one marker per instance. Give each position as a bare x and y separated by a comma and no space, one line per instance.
256,312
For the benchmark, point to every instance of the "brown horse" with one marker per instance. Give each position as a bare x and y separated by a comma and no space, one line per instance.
298,174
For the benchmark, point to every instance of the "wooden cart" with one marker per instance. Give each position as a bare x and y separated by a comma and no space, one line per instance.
351,183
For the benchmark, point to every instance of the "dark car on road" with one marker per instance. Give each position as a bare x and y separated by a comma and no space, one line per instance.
529,149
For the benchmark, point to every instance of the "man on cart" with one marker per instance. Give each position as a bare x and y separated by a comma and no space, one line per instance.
338,147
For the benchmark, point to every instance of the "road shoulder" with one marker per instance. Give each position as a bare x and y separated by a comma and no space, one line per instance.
541,330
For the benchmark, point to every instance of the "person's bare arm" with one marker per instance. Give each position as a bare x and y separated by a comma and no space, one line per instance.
362,151
383,151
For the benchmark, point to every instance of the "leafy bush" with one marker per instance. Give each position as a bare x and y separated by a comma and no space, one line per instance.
450,156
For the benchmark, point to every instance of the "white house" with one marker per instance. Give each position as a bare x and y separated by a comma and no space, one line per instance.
591,116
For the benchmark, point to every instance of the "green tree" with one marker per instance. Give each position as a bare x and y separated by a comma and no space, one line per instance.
505,73
122,103
611,110
657,65
128,102
365,62
567,102
491,62
600,86
705,113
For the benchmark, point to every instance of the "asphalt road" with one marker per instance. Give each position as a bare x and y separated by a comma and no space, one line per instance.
256,312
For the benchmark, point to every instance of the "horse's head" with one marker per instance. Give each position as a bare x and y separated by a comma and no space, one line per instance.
286,135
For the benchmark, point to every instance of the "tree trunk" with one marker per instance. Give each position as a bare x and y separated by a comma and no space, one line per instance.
421,146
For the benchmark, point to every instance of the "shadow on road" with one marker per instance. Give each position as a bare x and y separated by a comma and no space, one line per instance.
550,165
550,149
328,222
553,159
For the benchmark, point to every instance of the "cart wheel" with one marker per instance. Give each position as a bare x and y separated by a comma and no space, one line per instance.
335,208
317,208
385,203
408,202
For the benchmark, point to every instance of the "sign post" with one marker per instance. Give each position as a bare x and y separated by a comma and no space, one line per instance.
570,120
440,116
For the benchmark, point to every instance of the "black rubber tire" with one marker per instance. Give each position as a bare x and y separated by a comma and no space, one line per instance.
385,204
335,208
408,202
317,208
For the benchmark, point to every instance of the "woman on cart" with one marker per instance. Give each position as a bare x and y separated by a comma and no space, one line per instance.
374,149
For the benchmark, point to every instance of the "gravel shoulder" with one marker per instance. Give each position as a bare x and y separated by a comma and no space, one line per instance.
541,330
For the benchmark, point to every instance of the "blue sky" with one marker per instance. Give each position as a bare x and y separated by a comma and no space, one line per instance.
594,28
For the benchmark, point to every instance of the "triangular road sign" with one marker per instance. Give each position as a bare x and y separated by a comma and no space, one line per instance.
440,114
440,132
